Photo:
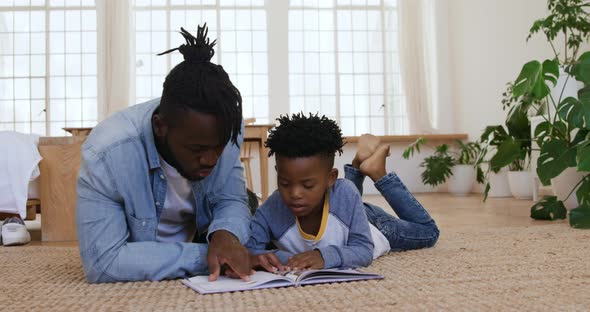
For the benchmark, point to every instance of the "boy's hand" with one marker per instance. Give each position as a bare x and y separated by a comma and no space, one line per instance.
309,260
267,261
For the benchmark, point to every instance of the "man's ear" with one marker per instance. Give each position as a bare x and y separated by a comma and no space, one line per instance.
160,126
332,176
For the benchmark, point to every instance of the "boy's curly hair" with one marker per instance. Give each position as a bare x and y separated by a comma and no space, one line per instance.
305,136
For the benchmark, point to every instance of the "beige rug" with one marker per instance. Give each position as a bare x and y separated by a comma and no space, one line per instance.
543,267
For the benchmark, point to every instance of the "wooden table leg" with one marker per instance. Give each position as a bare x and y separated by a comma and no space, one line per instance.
263,154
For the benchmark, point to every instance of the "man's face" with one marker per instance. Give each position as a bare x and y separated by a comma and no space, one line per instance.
191,145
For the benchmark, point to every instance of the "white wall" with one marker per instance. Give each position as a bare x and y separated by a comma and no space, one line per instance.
407,169
482,45
487,49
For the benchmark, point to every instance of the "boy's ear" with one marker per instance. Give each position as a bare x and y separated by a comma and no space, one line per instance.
333,175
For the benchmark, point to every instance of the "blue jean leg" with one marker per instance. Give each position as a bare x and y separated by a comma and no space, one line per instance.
414,229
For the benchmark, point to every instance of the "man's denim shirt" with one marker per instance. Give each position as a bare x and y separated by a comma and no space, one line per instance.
121,193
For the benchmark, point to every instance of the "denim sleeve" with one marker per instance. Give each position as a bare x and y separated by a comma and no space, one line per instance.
230,201
358,251
103,234
259,232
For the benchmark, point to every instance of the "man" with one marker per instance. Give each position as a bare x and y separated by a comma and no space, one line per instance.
162,174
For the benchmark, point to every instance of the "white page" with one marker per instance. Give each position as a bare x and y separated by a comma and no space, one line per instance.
260,279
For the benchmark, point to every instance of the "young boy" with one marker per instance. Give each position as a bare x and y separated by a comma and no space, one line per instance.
318,221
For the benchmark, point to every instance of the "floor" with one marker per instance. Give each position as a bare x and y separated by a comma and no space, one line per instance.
451,213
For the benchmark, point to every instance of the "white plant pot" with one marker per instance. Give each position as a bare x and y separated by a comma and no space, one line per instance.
563,184
461,182
521,184
499,184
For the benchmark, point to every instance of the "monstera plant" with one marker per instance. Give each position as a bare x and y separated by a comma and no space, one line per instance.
563,136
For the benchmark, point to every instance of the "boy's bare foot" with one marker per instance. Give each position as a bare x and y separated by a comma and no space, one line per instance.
374,166
367,145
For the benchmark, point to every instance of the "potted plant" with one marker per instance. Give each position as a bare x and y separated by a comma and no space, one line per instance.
511,146
457,166
563,136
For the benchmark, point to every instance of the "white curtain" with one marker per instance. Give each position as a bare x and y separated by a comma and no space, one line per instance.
116,56
418,48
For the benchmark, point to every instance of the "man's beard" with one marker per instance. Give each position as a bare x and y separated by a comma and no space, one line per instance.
168,156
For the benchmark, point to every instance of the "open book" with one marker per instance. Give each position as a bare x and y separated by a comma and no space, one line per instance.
262,279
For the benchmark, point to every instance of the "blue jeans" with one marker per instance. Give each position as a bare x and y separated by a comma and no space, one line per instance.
414,229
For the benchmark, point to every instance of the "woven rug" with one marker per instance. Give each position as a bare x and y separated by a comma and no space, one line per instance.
541,267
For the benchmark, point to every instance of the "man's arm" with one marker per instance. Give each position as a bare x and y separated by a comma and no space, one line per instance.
103,234
230,226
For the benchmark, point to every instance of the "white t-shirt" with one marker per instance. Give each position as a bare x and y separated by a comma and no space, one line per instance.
332,232
177,221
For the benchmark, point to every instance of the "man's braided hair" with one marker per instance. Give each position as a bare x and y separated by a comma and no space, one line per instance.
199,85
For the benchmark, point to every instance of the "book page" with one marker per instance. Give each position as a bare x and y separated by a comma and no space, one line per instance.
333,275
258,280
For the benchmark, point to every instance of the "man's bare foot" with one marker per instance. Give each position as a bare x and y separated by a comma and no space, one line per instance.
374,166
367,145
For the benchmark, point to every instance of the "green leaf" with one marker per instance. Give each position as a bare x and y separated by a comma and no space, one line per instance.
572,111
437,169
583,192
583,156
584,95
480,175
518,122
548,208
542,131
546,131
580,217
486,191
581,135
581,69
409,151
494,134
508,151
533,79
555,157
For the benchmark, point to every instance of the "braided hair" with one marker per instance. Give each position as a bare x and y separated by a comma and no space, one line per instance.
199,85
305,136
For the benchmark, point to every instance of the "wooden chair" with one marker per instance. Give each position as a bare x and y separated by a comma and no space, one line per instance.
246,156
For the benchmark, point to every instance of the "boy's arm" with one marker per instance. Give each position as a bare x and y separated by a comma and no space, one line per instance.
359,250
260,234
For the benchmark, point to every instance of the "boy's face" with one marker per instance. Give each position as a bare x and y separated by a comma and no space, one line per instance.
303,181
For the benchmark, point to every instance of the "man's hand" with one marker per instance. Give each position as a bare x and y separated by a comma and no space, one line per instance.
309,260
267,261
225,249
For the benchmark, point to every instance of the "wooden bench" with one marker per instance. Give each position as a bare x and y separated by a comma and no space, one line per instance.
59,174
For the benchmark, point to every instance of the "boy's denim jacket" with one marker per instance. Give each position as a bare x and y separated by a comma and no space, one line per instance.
349,246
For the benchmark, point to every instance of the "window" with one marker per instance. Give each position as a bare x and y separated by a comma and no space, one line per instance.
342,55
336,57
240,29
48,65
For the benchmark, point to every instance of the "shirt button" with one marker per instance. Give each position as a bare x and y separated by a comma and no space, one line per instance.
143,223
162,177
157,203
